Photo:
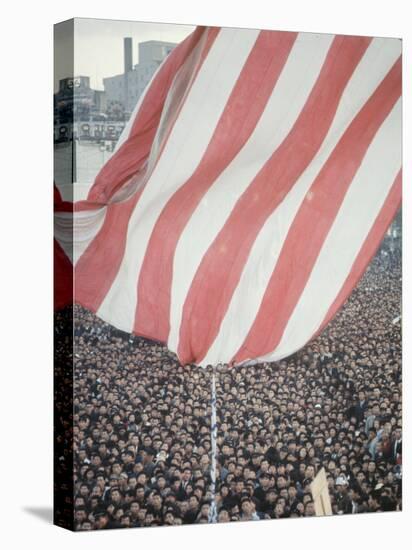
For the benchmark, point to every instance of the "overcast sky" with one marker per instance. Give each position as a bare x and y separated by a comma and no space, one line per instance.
98,49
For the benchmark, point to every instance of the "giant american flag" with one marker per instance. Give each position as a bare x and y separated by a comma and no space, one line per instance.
247,194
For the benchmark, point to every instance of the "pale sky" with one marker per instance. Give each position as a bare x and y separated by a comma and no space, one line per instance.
98,46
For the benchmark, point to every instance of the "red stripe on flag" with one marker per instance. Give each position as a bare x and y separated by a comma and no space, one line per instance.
221,268
242,112
57,198
369,248
62,266
328,191
97,267
78,206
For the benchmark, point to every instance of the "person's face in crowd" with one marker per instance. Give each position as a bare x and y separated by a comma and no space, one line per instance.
342,488
302,453
264,466
311,452
300,507
128,497
137,469
239,471
84,490
204,461
148,519
141,515
271,497
224,491
95,434
377,425
309,509
114,480
204,510
96,461
102,521
142,479
157,502
246,507
132,481
375,409
198,492
239,486
284,494
134,509
398,434
193,503
292,492
115,496
310,472
264,482
292,447
372,503
281,482
169,518
187,473
125,521
223,516
127,458
176,484
226,450
189,490
302,468
80,515
161,483
116,469
79,502
82,455
118,514
343,461
89,475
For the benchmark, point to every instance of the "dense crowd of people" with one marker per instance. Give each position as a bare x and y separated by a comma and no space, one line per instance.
142,433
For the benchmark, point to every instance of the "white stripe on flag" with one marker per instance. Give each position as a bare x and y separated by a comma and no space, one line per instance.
75,231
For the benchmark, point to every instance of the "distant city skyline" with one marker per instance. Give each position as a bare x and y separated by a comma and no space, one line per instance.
98,45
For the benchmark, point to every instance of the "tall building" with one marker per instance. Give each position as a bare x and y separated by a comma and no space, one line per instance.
126,88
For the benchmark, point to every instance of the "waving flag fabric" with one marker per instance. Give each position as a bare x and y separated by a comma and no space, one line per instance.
247,195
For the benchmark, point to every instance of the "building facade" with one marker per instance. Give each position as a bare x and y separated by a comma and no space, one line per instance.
124,90
75,100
